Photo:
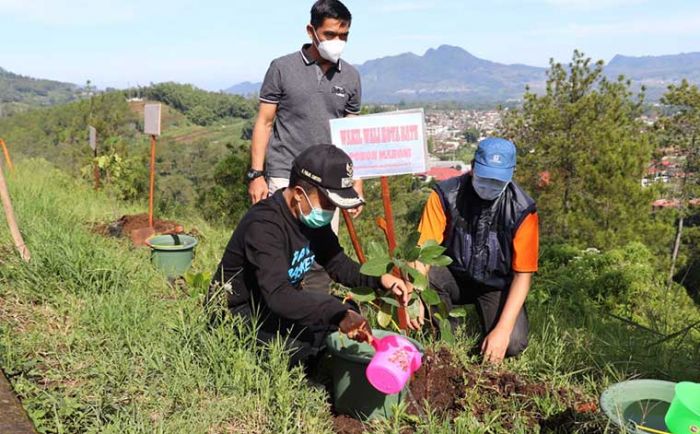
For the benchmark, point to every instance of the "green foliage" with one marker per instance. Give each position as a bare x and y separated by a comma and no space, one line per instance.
227,199
679,129
585,132
200,106
18,93
429,254
60,134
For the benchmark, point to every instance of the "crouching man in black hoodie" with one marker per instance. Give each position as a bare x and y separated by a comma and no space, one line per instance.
277,242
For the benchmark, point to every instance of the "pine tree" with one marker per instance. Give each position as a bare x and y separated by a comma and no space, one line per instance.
582,154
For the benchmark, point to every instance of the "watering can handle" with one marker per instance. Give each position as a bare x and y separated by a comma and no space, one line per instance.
176,239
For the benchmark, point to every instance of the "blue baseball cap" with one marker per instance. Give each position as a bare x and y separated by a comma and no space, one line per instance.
495,159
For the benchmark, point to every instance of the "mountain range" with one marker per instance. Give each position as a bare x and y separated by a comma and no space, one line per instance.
450,73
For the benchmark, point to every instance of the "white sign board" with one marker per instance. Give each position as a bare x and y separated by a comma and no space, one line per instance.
92,137
384,144
151,119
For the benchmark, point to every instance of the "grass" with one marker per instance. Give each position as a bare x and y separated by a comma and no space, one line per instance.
95,340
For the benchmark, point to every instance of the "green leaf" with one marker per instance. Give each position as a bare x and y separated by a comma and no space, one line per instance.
410,243
414,309
413,254
428,254
390,300
419,280
377,266
430,243
430,297
459,312
441,261
383,318
446,331
363,295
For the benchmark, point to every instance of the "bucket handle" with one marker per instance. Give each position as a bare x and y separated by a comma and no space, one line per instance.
176,239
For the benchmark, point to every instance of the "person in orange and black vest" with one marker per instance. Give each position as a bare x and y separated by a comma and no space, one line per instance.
489,226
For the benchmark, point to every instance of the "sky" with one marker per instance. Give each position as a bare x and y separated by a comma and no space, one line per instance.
215,44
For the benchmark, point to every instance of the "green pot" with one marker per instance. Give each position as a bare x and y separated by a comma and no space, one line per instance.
172,254
637,404
352,393
683,416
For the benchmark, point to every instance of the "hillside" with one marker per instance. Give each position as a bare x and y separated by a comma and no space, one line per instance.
94,339
18,92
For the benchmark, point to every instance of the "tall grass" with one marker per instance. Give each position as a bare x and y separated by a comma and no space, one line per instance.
96,341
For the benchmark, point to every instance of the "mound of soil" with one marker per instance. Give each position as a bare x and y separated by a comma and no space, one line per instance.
126,224
444,383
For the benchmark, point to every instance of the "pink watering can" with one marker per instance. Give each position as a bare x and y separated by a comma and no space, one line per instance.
395,360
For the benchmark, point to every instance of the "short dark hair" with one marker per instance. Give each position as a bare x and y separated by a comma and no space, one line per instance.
333,9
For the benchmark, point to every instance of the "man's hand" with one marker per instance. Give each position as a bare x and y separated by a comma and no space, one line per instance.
495,345
358,186
356,327
257,189
402,290
417,323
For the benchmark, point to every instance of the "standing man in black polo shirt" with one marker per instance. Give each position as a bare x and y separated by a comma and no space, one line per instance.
301,92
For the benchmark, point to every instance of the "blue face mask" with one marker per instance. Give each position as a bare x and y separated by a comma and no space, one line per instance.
317,218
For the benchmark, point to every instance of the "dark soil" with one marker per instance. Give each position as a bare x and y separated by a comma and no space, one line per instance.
128,223
343,424
444,382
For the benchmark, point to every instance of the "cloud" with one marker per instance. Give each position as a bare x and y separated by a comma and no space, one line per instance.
69,12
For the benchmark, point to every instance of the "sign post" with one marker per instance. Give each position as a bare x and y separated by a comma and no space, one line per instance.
152,127
12,221
92,141
383,145
7,156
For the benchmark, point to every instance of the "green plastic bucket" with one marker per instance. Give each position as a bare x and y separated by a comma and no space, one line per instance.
683,416
352,393
638,403
172,254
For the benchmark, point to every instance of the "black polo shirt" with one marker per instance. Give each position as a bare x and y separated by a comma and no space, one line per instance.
306,100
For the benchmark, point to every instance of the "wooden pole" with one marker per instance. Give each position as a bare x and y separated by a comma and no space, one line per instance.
353,237
7,155
153,181
11,221
388,215
391,240
96,172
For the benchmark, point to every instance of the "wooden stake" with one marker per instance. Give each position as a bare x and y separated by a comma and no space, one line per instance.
391,240
96,172
7,156
153,181
353,237
11,221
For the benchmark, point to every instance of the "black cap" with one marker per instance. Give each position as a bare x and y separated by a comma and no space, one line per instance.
329,169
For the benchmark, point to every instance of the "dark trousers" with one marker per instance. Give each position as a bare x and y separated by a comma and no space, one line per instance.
489,305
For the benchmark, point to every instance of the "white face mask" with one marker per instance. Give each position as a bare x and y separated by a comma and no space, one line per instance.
330,50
